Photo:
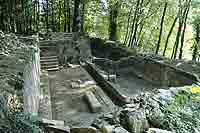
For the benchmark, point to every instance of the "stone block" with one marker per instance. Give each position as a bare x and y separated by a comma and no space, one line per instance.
57,129
120,130
107,129
84,130
112,78
53,122
156,130
93,102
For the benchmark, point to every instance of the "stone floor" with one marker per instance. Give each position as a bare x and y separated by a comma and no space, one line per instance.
130,85
68,103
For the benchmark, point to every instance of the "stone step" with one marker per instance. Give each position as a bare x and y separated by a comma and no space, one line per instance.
48,57
49,60
49,66
48,46
52,69
49,63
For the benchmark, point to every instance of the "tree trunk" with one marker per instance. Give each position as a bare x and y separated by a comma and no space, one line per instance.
23,16
176,44
34,14
195,51
134,39
183,33
65,16
113,22
161,28
68,16
134,21
47,16
83,16
30,18
127,28
76,19
52,16
59,16
38,16
169,34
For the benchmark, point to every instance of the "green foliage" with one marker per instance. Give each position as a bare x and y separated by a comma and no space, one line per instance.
14,55
181,115
29,16
12,121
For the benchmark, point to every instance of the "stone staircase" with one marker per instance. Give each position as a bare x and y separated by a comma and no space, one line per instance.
49,63
48,57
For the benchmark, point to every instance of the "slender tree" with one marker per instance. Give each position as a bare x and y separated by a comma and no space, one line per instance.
161,28
133,23
195,51
113,21
127,27
169,34
184,28
65,16
68,16
59,16
76,19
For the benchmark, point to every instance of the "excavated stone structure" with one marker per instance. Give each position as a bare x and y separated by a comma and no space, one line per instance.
90,77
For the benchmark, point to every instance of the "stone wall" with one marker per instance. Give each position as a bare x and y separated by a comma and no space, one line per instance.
108,87
32,83
102,49
69,47
156,72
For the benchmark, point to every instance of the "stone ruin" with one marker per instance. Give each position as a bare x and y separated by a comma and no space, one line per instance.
94,77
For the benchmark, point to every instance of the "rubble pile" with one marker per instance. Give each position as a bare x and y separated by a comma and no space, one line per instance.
173,110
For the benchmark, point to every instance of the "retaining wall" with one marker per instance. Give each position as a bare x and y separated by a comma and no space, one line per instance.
156,72
32,82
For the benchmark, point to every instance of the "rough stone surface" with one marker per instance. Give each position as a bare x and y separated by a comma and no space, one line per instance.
108,129
2,100
135,121
84,130
110,51
120,130
93,102
155,130
57,129
53,122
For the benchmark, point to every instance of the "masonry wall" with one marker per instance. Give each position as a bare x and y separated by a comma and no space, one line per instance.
156,72
32,84
101,49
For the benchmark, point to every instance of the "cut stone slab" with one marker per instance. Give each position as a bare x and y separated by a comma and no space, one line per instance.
156,130
75,85
84,130
87,83
93,102
53,122
107,129
113,129
78,84
112,78
120,130
57,129
105,76
175,90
